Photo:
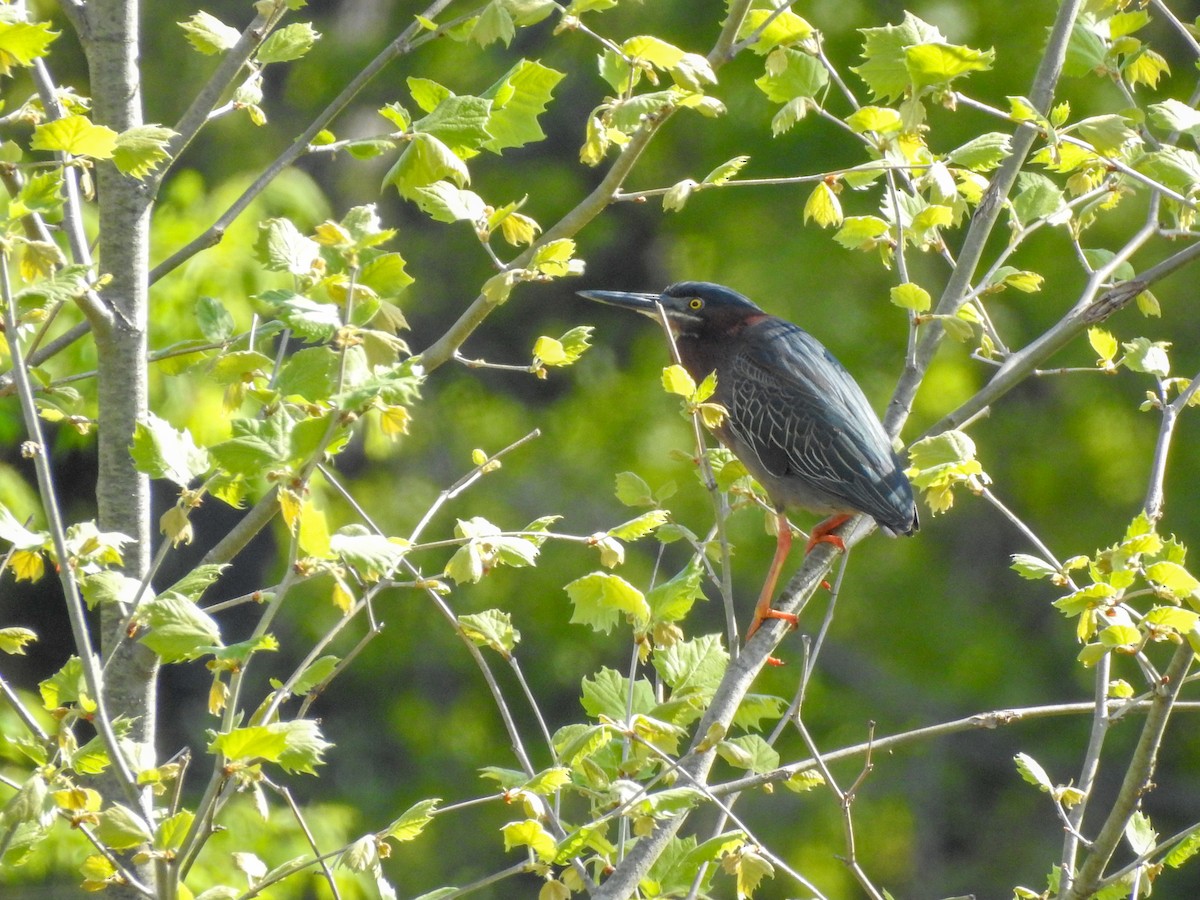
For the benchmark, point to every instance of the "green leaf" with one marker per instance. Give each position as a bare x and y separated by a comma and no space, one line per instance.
120,828
1103,343
495,23
171,831
911,296
1184,850
1173,167
983,153
693,666
1025,282
139,150
13,640
315,673
425,161
372,556
790,75
823,207
23,42
672,600
880,119
66,686
862,232
216,324
491,628
885,67
282,248
608,693
937,64
530,833
638,528
1032,568
1173,578
749,752
727,170
386,275
1174,115
756,707
310,320
1086,52
412,821
179,630
208,34
600,598
161,451
1138,831
556,258
782,28
518,99
1037,197
22,538
1032,772
458,122
1150,357
296,746
76,135
676,380
1108,134
1172,617
443,202
632,490
288,43
310,373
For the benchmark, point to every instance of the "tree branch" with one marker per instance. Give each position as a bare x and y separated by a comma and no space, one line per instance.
1137,777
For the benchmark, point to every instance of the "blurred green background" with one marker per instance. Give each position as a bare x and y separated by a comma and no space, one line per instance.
927,629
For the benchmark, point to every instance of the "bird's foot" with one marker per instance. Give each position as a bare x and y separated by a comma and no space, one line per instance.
821,533
769,613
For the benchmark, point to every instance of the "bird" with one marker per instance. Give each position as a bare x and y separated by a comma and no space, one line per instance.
794,417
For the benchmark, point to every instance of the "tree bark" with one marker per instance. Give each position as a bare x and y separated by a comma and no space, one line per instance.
110,40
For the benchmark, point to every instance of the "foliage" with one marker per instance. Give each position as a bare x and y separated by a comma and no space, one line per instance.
278,358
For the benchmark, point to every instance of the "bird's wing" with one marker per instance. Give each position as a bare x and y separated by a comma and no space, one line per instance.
805,417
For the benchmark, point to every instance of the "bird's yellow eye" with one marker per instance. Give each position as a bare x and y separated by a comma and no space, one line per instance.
695,303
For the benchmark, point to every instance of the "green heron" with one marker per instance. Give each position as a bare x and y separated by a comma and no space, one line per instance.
795,417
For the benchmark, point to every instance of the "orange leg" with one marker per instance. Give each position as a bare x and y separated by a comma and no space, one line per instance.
783,545
820,533
763,609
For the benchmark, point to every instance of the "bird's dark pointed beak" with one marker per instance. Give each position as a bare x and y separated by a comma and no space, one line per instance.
646,304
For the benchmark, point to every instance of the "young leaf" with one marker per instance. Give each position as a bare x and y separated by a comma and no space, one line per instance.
600,598
791,75
1104,344
911,296
412,821
1032,772
885,67
676,380
530,833
179,630
161,451
208,34
282,248
491,628
517,100
288,43
823,206
1031,567
76,135
139,150
722,173
638,528
23,42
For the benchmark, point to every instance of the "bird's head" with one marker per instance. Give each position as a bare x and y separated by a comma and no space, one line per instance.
690,307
